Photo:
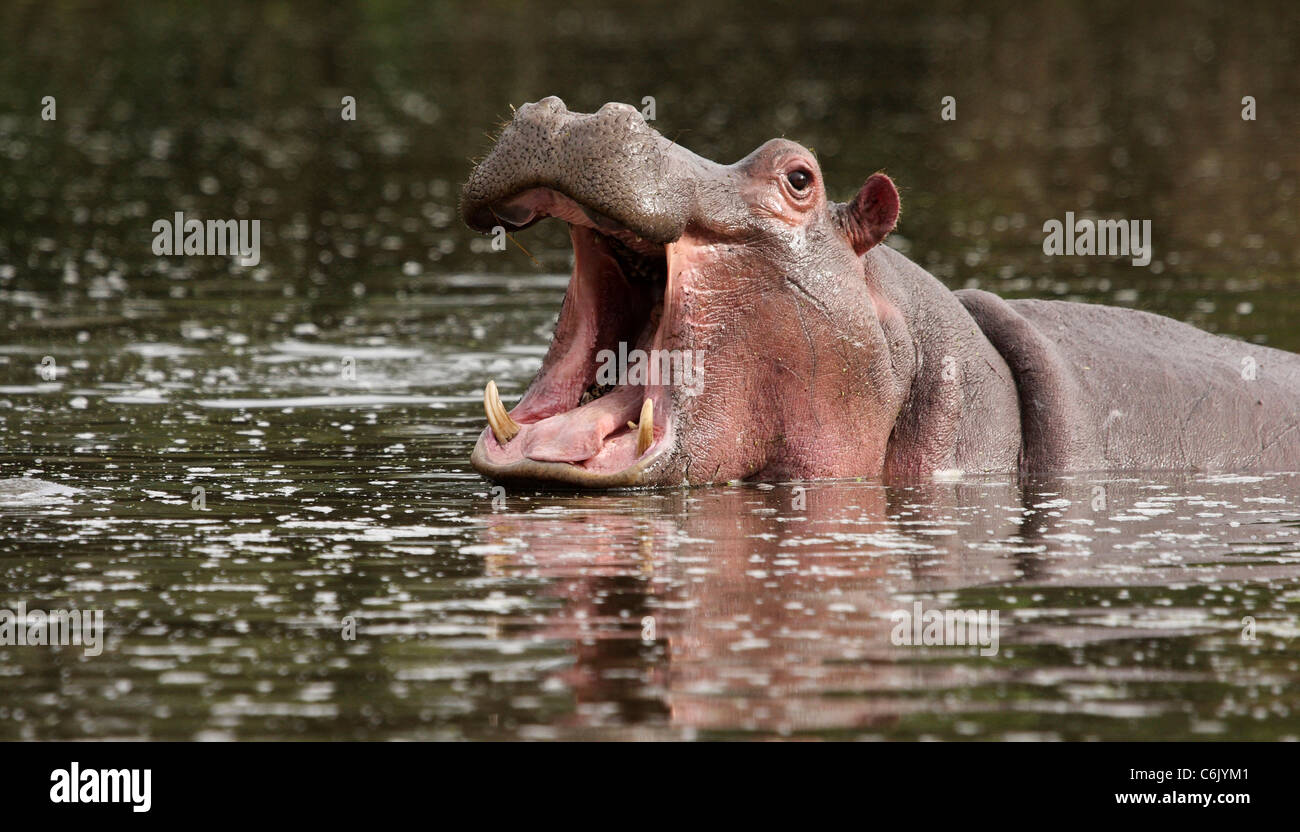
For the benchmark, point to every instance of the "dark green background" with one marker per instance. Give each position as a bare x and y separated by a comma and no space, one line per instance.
232,110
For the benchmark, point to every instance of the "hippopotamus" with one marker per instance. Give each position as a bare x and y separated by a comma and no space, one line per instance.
813,350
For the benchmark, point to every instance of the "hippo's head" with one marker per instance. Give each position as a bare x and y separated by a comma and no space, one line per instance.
717,325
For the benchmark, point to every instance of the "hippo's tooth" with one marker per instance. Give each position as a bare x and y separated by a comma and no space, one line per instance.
645,432
503,427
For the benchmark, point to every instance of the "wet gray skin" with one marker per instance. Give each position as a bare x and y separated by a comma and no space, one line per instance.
825,355
327,402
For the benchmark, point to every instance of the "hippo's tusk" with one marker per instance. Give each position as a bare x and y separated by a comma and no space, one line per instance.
503,427
645,432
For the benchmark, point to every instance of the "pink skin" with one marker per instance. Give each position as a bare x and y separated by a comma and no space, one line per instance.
804,344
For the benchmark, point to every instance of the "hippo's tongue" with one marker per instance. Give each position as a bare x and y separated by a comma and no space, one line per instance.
579,434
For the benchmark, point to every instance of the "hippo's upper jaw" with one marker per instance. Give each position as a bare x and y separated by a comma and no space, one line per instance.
670,361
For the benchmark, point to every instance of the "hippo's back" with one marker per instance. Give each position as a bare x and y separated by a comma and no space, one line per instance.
1103,387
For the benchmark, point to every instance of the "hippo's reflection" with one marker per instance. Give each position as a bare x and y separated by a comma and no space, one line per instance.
751,608
767,609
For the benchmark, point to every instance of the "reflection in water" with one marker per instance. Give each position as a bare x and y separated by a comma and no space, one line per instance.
737,611
729,610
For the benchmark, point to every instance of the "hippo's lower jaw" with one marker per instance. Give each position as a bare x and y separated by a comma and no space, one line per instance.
583,421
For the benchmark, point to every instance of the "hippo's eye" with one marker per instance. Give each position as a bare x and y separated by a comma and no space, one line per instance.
799,179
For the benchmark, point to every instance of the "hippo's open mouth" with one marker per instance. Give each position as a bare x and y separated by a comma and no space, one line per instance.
588,418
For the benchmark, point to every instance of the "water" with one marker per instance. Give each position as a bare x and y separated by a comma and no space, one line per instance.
326,401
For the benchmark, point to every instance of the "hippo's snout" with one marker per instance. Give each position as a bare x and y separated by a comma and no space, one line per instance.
610,163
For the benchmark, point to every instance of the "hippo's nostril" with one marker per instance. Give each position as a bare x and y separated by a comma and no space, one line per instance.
544,110
613,108
553,103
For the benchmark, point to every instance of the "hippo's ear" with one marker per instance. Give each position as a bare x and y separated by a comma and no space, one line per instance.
871,215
